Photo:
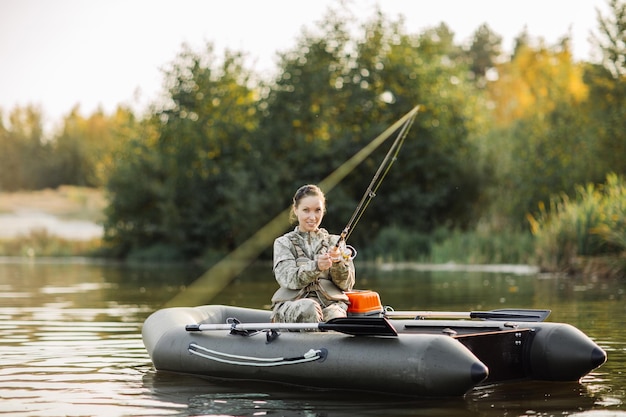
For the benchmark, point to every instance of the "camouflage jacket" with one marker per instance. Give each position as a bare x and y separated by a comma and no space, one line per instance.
295,267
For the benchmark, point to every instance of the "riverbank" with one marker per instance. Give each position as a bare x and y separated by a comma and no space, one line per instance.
63,222
68,222
65,202
73,213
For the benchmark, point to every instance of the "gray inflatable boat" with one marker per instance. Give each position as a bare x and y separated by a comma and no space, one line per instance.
368,352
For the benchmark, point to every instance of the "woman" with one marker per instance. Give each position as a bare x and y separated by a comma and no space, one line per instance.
308,266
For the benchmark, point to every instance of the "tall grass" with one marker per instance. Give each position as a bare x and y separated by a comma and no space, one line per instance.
38,243
590,225
480,246
484,246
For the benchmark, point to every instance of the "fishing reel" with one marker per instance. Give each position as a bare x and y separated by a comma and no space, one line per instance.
346,252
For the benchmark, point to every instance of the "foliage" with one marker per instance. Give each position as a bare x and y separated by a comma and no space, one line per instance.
81,153
333,96
483,53
40,243
611,41
200,173
592,224
479,246
546,141
394,244
23,151
607,84
482,246
85,147
193,160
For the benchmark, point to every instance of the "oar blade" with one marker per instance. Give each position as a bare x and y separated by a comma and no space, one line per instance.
512,314
360,326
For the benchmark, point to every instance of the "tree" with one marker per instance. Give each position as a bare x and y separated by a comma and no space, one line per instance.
484,52
607,82
542,129
305,107
195,161
611,40
24,152
432,184
533,81
84,147
347,92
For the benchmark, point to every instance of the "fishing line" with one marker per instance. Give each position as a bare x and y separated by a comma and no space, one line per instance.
378,178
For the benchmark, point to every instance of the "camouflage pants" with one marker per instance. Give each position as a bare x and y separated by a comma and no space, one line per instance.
307,310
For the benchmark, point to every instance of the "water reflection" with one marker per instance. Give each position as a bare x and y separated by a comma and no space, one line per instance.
214,397
71,343
221,397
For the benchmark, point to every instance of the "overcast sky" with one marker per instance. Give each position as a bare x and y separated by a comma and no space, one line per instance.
60,53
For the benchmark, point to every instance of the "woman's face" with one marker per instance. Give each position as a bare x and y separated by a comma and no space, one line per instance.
309,211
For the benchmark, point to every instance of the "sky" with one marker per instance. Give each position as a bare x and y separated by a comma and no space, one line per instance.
57,54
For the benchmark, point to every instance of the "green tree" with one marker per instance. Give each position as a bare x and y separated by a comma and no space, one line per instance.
542,133
348,91
24,152
305,106
84,147
196,162
611,39
607,83
483,53
435,183
134,190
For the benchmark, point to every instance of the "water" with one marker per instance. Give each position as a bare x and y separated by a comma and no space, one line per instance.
71,343
27,221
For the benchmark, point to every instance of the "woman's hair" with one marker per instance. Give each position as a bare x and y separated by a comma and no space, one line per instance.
306,191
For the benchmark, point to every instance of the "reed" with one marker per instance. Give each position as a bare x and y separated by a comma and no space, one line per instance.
480,246
40,243
484,247
593,224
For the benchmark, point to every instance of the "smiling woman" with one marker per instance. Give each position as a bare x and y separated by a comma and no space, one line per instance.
309,267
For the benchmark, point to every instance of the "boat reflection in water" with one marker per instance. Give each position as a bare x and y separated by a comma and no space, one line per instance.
211,396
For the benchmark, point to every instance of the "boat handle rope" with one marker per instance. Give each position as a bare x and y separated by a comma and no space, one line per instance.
309,356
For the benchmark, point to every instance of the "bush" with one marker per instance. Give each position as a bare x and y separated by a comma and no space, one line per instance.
593,224
483,246
480,246
40,242
156,253
394,244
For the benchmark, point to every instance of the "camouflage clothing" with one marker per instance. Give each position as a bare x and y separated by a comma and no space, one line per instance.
307,294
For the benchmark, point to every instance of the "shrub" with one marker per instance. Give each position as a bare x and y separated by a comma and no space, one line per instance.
484,246
593,224
40,242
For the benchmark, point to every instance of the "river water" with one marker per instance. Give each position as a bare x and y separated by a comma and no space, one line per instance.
71,343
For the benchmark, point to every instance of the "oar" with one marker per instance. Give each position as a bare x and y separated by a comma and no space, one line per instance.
504,314
356,326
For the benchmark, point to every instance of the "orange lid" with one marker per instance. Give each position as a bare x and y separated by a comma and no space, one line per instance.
364,301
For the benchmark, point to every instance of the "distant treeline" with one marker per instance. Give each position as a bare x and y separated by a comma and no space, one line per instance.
222,155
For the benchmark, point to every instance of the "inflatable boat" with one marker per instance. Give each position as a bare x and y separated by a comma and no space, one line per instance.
428,354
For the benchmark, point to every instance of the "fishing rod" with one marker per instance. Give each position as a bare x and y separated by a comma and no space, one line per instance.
216,278
348,251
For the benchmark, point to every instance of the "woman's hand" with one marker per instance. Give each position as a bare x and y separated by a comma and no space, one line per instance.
335,254
324,261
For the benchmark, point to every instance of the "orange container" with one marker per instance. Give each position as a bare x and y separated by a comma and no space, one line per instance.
364,303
